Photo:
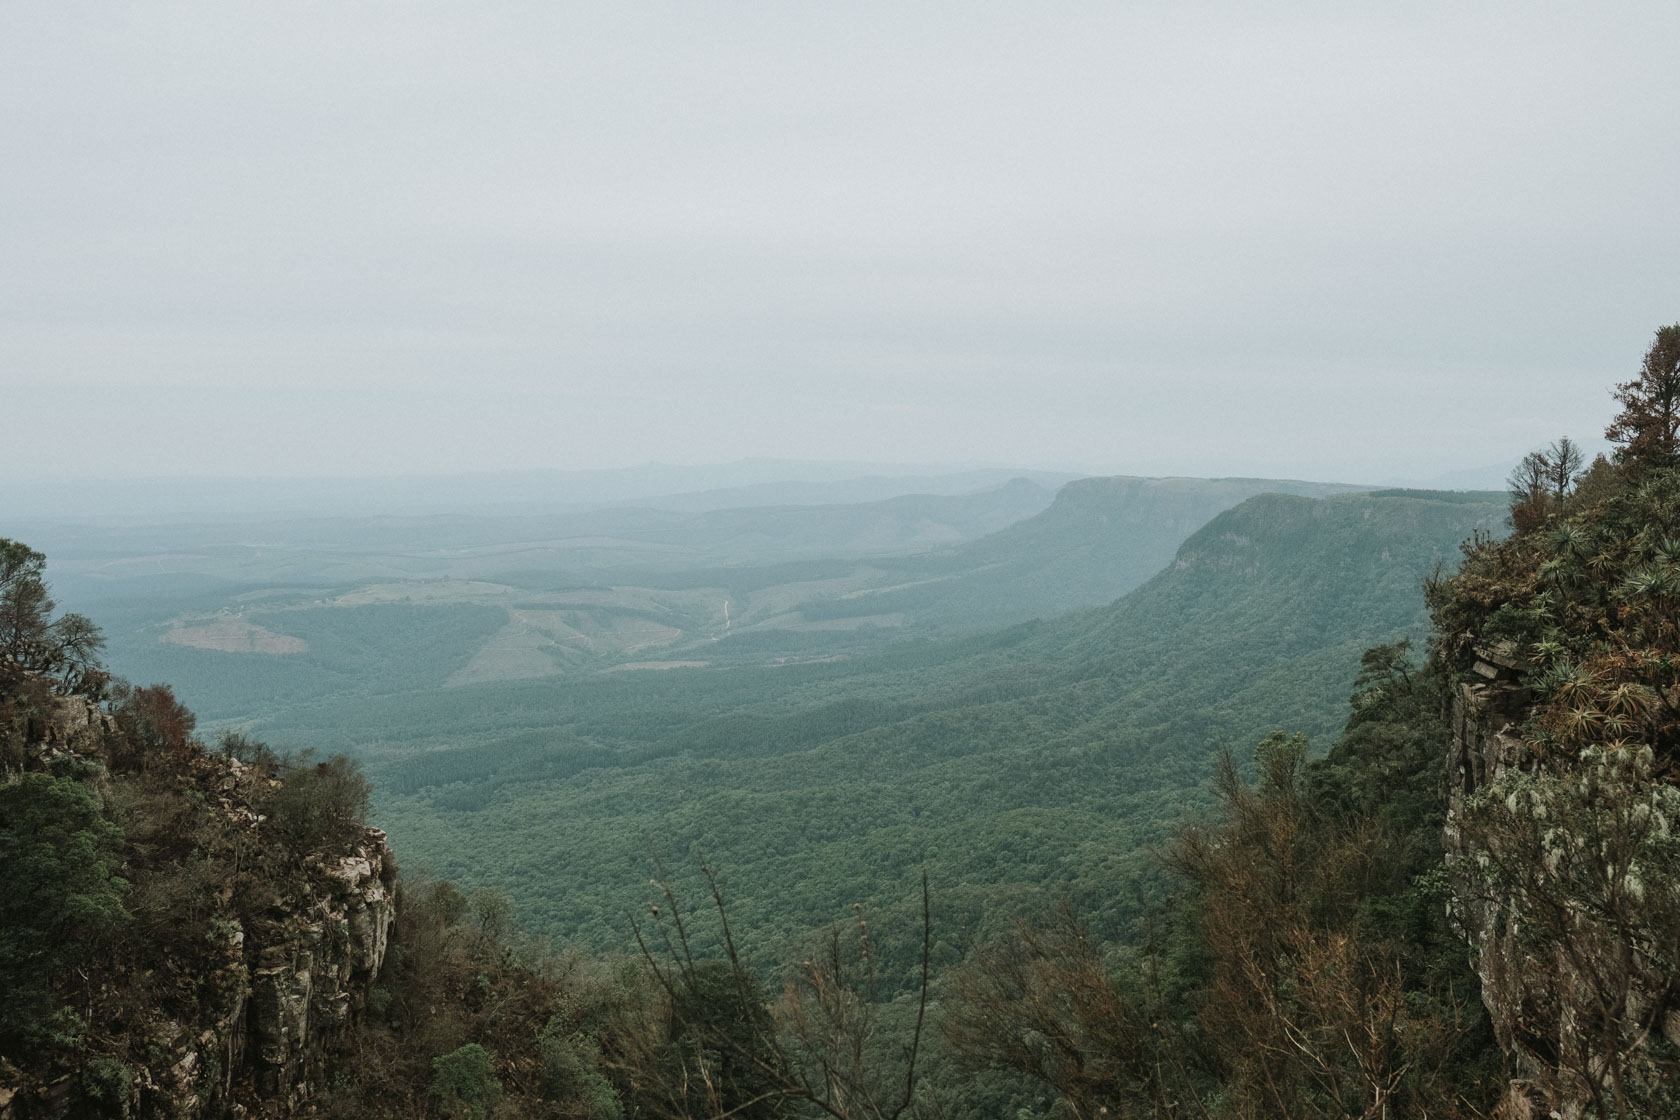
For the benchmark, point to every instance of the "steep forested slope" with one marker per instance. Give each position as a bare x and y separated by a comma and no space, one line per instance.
1040,760
1101,538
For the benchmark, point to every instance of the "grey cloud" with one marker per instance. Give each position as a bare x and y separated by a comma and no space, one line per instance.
1338,239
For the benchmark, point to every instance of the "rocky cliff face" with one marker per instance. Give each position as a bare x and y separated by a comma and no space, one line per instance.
251,998
303,978
1550,865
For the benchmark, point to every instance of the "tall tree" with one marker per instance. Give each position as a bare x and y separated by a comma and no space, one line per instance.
1530,478
25,609
1564,461
59,890
1530,486
1648,427
65,650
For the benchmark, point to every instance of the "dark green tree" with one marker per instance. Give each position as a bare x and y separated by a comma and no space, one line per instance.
25,608
706,1046
58,889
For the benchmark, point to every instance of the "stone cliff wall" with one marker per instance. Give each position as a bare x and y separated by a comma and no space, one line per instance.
1544,975
1484,718
284,984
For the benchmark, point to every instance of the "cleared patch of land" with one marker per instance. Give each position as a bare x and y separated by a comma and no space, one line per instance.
425,591
631,666
515,652
234,635
544,641
857,622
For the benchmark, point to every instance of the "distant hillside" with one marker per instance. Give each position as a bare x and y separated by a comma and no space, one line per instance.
1041,759
1098,540
777,533
255,619
1266,608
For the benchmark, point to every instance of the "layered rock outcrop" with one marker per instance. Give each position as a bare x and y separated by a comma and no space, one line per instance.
309,974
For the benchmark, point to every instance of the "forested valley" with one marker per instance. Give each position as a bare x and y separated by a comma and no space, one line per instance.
1129,804
819,756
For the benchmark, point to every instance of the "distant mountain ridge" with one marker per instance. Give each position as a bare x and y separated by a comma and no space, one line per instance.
541,597
1099,539
746,482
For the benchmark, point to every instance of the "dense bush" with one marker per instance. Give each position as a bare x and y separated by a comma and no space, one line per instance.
463,1084
59,890
317,804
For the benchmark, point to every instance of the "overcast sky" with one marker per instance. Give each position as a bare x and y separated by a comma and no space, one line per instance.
1334,240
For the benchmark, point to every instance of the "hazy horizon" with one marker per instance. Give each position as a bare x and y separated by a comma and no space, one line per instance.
798,470
1300,240
541,492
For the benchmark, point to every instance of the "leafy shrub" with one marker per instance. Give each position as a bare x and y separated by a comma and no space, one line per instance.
153,723
317,804
105,1085
252,752
571,1070
464,1084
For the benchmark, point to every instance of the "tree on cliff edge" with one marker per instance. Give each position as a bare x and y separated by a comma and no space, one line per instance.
1648,427
30,639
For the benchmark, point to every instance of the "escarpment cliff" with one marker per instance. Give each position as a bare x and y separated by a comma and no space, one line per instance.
1563,827
1563,874
193,934
1518,988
